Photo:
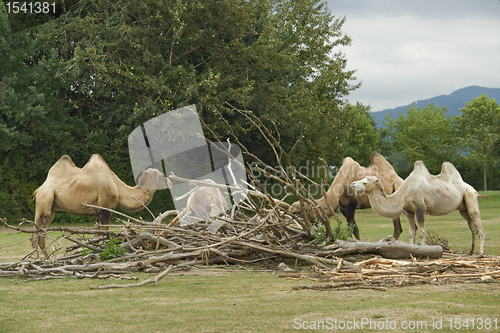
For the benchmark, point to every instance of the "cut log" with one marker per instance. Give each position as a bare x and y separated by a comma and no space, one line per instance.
387,248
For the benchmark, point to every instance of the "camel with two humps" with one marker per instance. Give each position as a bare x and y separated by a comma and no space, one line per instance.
74,190
339,195
422,193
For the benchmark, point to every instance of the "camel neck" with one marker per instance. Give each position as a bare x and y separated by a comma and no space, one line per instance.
389,206
329,200
135,198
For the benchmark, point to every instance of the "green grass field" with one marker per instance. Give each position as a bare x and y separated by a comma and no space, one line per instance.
234,299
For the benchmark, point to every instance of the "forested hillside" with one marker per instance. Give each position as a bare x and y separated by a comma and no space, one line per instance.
452,102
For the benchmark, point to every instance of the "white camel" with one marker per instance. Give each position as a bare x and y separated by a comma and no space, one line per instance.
423,193
204,202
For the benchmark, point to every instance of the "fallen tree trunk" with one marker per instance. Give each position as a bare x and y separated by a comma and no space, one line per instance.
387,248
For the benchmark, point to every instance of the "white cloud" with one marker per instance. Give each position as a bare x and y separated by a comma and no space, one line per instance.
404,51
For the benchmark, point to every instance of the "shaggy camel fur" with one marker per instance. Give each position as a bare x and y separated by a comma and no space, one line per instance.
423,193
68,187
339,194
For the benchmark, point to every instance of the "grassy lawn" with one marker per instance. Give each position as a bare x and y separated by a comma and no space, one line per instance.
236,300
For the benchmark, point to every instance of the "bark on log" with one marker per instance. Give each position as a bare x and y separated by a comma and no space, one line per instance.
391,249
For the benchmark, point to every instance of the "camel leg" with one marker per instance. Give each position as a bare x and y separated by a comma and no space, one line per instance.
472,228
342,210
349,215
41,244
38,241
420,219
410,216
473,217
103,220
397,227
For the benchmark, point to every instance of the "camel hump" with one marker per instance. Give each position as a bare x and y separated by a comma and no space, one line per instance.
348,170
449,169
96,163
376,157
97,159
420,166
65,159
378,160
348,162
62,165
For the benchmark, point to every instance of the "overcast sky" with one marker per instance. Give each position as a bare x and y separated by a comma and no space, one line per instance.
406,51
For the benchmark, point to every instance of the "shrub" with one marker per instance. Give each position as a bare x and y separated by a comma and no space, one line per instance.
340,231
113,249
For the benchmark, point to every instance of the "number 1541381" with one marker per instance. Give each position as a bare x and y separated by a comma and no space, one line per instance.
30,7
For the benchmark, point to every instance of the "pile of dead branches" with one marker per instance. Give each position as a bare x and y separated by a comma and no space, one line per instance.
257,229
381,273
151,247
157,248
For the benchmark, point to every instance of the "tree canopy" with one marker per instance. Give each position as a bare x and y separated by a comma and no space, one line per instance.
427,134
79,83
479,124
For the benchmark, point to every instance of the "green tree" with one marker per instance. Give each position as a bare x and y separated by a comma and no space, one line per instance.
363,138
80,83
479,124
127,63
427,134
34,124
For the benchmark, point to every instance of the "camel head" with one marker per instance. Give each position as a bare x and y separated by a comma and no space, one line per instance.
153,179
366,185
295,208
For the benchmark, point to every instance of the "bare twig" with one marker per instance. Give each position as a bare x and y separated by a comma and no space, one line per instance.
154,280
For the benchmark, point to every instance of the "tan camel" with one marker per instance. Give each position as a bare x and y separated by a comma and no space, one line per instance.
339,194
68,187
423,193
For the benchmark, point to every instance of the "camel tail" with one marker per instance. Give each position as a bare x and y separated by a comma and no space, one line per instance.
33,196
484,196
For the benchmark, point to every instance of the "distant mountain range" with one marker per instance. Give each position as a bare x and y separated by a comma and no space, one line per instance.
453,102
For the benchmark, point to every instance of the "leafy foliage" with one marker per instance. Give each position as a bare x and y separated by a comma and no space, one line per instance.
470,140
427,134
362,139
112,250
342,231
479,123
80,83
